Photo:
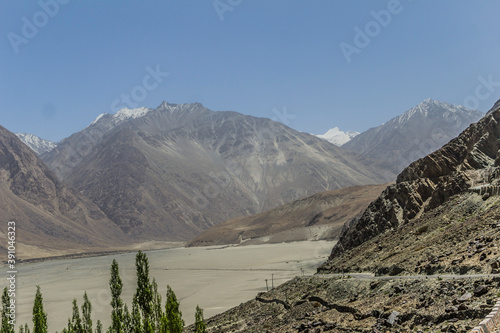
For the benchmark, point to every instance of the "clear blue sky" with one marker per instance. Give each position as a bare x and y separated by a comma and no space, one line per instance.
263,55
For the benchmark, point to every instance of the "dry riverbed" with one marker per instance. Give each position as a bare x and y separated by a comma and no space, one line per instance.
216,278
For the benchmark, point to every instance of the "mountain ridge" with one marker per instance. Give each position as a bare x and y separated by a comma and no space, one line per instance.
413,134
194,167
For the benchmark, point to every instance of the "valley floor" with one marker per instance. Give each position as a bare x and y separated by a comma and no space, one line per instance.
216,278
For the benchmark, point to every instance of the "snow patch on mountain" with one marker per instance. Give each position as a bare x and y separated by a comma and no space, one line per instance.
337,137
123,115
38,145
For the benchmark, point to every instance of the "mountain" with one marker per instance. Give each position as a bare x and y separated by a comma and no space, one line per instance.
441,217
173,171
39,145
320,216
337,137
435,207
414,134
51,219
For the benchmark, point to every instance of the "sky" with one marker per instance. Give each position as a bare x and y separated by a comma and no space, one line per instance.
312,65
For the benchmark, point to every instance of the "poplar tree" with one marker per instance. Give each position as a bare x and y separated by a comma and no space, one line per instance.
86,314
76,321
39,315
144,296
7,327
199,322
173,315
116,286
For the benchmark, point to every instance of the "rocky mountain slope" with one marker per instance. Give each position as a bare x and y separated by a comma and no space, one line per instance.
320,216
336,304
49,216
432,208
433,221
176,170
338,137
413,135
38,145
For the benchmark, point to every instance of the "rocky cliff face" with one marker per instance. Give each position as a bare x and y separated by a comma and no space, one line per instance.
429,182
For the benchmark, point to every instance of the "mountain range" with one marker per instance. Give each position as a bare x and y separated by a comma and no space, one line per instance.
433,221
173,171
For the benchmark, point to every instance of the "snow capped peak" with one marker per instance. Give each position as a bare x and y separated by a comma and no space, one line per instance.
38,145
122,115
97,119
337,137
125,114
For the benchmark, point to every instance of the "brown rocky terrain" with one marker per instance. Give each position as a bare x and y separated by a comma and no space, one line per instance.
336,304
174,171
320,216
51,219
429,182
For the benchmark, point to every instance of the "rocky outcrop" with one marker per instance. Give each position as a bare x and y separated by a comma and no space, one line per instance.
428,182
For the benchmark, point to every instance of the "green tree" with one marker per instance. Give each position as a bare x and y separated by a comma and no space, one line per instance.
157,308
76,321
116,286
24,329
173,315
199,322
86,314
127,325
39,315
144,295
98,327
7,327
135,322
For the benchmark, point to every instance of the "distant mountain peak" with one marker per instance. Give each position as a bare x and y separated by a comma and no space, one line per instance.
413,134
337,137
38,145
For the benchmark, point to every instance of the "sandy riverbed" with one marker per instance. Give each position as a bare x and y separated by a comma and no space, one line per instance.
216,278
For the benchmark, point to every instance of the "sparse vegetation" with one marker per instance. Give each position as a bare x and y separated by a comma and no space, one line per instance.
147,314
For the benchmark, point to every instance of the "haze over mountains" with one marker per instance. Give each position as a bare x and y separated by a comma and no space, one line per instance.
176,170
